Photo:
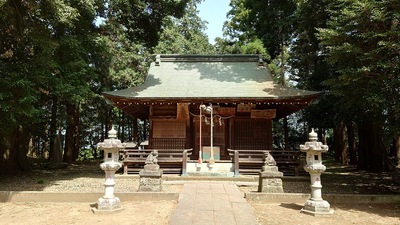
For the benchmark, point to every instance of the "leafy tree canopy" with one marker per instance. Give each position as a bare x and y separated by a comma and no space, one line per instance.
185,35
362,42
143,19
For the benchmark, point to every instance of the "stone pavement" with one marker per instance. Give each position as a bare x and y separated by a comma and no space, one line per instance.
212,203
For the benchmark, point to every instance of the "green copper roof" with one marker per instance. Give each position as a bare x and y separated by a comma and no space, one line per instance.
208,77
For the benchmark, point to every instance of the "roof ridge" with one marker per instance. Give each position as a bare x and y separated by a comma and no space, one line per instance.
209,58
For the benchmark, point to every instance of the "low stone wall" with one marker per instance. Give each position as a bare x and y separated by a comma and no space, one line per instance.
331,198
37,196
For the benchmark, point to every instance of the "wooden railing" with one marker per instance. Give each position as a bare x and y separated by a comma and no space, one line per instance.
171,160
251,161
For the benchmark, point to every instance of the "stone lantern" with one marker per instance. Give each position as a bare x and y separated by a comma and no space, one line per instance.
314,149
111,164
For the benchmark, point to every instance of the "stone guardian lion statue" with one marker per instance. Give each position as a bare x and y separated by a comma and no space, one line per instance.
152,158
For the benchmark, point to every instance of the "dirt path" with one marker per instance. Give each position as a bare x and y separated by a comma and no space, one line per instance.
157,213
141,213
289,214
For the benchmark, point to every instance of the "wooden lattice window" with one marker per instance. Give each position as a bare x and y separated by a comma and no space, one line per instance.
251,134
169,129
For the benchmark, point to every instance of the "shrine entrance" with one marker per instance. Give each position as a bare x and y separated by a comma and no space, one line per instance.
220,136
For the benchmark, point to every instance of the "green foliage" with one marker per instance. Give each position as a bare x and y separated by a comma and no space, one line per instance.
24,62
121,63
270,21
253,46
144,19
53,55
88,154
297,132
308,59
185,35
41,181
309,67
362,43
238,27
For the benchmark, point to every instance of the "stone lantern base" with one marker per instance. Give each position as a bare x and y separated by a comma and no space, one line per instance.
317,208
107,205
150,178
270,180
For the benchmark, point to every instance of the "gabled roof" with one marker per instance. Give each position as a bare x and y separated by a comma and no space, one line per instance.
218,77
208,78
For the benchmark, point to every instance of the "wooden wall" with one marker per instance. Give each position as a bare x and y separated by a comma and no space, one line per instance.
251,134
174,127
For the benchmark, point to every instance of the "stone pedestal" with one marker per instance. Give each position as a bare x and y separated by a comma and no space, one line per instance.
270,180
150,178
315,206
109,203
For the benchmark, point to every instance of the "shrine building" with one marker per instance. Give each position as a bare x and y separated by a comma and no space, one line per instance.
181,91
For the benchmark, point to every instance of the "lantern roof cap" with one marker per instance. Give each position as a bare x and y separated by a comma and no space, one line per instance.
312,135
112,133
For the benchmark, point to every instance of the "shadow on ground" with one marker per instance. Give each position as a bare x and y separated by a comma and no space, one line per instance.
44,176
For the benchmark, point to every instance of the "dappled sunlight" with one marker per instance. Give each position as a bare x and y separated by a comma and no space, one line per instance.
340,179
360,181
234,72
150,82
281,91
80,174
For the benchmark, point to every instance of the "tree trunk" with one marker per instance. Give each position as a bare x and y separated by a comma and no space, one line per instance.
283,78
371,153
351,137
286,133
145,136
55,152
102,134
362,148
14,147
21,146
336,144
283,82
397,150
8,155
321,135
57,149
122,119
71,136
109,122
135,130
130,129
340,144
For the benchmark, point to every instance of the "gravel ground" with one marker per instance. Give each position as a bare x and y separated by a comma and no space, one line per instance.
87,177
77,177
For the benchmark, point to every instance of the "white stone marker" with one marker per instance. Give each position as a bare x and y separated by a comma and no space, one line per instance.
315,205
111,147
